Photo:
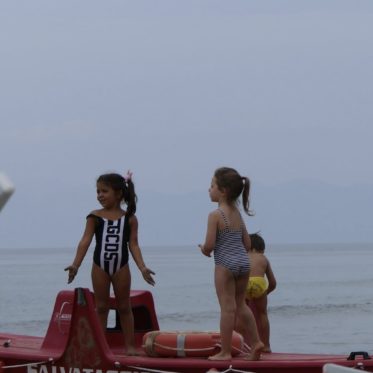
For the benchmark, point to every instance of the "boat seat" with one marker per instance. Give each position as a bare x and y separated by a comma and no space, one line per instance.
59,324
145,320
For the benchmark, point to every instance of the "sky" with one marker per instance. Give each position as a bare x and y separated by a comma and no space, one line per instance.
280,90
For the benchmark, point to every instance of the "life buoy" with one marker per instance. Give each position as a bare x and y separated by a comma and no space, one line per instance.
187,343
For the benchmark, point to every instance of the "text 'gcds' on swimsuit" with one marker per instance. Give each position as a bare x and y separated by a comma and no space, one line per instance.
112,236
229,249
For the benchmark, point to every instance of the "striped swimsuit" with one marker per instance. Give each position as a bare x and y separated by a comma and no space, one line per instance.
229,250
112,236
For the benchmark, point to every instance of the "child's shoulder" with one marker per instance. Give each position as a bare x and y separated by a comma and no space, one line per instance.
215,213
260,257
95,213
214,217
266,260
264,255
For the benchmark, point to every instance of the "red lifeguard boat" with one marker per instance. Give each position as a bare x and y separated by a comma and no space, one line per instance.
76,343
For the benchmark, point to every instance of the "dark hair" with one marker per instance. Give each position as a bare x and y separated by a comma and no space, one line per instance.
257,242
234,184
126,186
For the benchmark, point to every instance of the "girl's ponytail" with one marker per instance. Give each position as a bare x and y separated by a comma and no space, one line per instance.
130,197
245,195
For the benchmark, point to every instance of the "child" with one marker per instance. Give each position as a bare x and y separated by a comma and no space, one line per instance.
228,238
258,287
115,230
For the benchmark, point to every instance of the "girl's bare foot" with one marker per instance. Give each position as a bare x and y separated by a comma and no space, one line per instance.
256,350
267,349
221,356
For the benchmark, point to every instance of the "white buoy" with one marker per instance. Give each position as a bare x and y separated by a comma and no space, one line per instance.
6,189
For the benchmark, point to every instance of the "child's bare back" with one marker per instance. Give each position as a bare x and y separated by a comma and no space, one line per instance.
258,264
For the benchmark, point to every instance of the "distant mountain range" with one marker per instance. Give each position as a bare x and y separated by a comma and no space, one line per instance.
295,212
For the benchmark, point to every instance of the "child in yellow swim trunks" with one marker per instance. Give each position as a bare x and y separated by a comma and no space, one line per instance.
256,287
261,282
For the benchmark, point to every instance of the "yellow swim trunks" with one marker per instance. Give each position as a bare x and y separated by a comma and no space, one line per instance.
256,287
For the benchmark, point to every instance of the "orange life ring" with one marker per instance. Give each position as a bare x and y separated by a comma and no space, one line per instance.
187,343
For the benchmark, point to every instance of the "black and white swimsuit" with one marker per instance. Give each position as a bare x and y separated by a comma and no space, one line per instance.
112,236
229,250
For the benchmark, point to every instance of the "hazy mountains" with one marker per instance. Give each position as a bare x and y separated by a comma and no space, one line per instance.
296,212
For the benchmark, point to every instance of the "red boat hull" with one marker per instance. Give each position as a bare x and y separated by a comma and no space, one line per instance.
76,343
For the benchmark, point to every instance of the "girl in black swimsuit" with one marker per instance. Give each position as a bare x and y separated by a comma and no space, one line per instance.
115,231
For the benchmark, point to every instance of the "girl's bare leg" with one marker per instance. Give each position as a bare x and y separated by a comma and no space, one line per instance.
101,289
225,290
246,321
122,285
263,322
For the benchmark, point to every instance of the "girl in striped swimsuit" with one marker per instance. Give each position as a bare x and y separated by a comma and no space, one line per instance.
228,238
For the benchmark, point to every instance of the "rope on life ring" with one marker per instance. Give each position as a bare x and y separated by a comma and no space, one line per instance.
201,349
177,343
149,342
245,350
187,349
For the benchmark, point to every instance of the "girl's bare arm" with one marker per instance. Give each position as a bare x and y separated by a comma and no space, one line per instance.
212,225
246,239
271,278
82,249
136,251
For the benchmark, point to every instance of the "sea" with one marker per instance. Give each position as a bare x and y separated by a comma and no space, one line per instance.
323,302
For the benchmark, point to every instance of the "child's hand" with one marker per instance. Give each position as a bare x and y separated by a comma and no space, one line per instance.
73,270
147,274
202,247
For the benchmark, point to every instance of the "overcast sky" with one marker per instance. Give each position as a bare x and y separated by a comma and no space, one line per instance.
281,90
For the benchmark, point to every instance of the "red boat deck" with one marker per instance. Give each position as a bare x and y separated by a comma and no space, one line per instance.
76,343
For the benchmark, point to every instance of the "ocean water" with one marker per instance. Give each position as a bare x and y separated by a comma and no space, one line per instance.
323,301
